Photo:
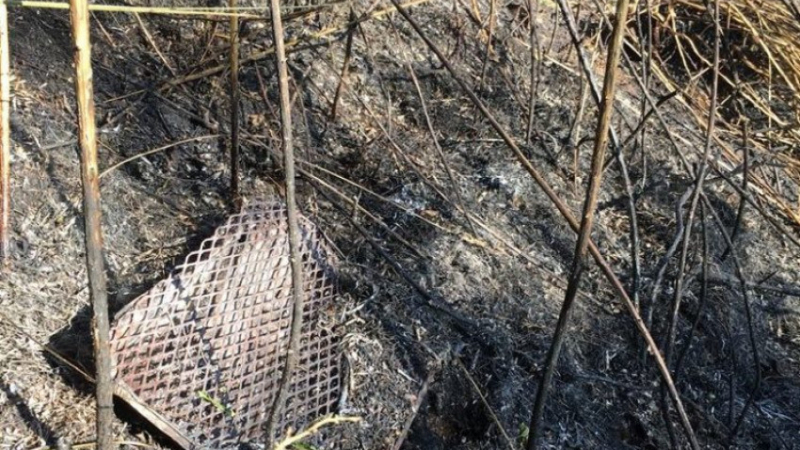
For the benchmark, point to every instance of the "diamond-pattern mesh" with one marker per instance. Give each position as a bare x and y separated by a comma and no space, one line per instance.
205,349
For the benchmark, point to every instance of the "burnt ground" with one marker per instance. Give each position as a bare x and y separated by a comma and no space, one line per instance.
500,275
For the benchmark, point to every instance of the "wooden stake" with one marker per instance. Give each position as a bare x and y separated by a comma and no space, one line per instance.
79,17
294,229
584,233
234,59
5,132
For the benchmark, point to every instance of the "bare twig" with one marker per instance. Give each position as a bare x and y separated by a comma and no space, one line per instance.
79,15
664,262
47,348
703,294
617,286
88,445
713,164
756,205
618,153
265,53
790,291
775,431
464,324
294,229
489,38
156,150
745,178
486,404
386,130
5,133
575,132
536,64
348,49
587,220
149,38
423,391
646,40
355,205
292,441
572,27
234,97
439,151
696,193
749,316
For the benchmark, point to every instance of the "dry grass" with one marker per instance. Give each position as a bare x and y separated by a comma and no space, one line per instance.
759,83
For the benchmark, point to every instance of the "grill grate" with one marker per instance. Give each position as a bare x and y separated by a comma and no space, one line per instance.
201,354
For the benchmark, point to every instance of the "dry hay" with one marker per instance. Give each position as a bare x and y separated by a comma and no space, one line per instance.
759,81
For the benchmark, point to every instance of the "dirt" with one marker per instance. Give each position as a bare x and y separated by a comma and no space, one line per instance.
494,296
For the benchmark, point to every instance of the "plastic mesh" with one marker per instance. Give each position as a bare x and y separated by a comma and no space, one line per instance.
205,349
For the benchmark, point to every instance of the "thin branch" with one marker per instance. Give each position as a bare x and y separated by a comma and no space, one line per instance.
294,229
584,234
355,205
348,50
149,38
423,391
464,324
439,151
703,294
47,348
234,98
156,150
713,164
79,18
745,178
536,64
489,37
647,61
696,193
5,134
618,153
292,441
486,404
398,150
575,131
755,204
749,316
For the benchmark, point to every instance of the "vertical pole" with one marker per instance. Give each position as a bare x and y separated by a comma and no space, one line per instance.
606,107
294,229
5,132
234,94
79,17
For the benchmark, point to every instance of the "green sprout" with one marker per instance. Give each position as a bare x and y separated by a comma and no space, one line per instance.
225,409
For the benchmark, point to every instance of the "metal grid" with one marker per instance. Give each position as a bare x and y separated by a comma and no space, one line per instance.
201,354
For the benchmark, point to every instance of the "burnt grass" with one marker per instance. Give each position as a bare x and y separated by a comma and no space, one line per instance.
495,297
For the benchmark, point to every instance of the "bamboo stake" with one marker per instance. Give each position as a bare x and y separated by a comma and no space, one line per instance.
79,15
587,221
294,230
234,60
5,132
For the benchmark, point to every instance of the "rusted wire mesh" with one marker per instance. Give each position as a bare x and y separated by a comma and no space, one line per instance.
200,355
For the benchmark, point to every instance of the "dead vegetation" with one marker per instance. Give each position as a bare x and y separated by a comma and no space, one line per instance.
434,177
